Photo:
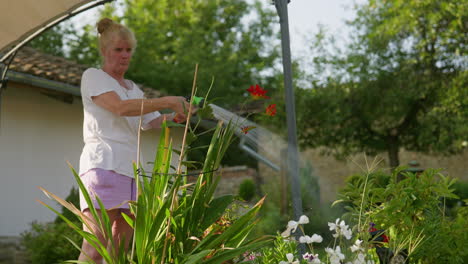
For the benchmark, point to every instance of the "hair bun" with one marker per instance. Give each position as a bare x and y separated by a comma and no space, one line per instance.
104,24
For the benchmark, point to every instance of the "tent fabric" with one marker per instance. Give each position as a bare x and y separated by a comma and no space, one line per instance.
20,18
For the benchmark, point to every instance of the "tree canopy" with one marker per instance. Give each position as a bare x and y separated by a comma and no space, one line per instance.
230,40
401,83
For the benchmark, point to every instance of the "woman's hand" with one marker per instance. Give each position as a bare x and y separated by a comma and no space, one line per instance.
179,104
179,118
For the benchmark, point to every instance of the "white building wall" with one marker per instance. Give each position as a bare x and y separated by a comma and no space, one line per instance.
38,135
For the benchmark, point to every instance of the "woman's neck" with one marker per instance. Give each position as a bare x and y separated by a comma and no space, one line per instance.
119,76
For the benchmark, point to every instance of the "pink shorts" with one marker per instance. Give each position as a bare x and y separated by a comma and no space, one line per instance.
114,189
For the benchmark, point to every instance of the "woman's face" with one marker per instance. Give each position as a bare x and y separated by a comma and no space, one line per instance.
117,56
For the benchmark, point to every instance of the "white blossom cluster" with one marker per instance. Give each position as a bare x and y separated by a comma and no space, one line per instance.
335,256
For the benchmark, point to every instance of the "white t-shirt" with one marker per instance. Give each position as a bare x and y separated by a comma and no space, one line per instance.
110,140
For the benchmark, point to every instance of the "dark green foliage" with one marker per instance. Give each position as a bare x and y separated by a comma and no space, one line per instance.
50,41
409,208
47,243
460,188
247,189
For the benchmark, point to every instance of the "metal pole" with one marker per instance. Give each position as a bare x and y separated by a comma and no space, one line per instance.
293,157
3,81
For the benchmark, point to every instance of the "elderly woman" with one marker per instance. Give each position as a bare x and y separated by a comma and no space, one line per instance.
112,108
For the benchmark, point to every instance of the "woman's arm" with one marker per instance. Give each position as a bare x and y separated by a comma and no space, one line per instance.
132,107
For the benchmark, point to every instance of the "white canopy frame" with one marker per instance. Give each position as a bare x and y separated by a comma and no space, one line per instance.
24,20
28,18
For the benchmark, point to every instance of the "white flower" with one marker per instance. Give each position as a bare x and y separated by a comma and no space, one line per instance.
357,246
311,258
335,255
292,225
309,240
361,259
290,258
317,238
303,220
340,228
347,233
305,239
333,226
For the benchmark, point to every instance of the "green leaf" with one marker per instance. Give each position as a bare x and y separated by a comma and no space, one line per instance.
215,210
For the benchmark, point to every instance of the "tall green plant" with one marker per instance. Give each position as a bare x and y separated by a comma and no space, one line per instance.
165,203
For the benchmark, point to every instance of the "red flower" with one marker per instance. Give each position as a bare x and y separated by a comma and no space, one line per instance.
257,92
271,110
246,129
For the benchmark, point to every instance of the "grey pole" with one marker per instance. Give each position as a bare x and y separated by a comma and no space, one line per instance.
292,151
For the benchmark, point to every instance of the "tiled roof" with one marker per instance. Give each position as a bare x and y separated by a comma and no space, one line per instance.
36,63
31,61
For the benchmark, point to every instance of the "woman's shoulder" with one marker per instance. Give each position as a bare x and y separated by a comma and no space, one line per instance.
92,72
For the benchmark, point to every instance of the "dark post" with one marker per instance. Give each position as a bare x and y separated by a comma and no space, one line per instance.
293,156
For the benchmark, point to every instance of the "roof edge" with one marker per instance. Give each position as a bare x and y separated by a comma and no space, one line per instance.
43,83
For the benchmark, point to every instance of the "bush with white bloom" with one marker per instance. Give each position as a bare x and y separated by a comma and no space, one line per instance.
286,246
355,254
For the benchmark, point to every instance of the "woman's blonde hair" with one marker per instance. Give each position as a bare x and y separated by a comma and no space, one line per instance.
108,31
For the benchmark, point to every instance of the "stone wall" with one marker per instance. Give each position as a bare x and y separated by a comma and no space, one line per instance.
332,173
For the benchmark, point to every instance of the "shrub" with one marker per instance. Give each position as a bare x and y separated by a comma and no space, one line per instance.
247,189
411,211
47,243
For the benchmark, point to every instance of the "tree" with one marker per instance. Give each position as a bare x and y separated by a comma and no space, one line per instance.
230,45
401,83
175,35
51,41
